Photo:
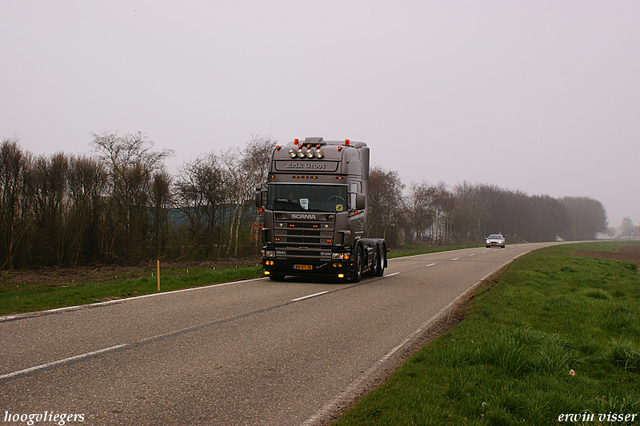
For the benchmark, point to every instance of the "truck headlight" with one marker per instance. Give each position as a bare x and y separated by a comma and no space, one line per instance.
269,253
340,256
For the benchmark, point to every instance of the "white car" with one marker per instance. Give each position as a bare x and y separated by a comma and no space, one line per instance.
495,240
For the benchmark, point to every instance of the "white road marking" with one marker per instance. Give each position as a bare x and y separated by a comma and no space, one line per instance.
431,264
390,275
60,361
309,296
455,258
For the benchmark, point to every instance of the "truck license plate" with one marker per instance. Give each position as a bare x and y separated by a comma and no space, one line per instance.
303,267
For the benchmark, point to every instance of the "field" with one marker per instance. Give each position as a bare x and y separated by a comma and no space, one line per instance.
556,337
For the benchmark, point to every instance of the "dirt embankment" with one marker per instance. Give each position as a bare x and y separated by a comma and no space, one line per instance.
81,275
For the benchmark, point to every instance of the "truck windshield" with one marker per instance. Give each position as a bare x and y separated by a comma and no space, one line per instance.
316,198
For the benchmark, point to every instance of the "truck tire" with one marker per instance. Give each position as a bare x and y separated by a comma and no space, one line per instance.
276,277
375,265
357,274
379,269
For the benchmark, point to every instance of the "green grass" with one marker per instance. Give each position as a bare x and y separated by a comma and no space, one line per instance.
509,361
34,296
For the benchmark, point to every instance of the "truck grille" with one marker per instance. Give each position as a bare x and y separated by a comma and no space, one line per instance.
302,239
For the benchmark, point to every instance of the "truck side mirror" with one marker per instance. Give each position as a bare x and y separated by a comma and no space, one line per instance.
259,196
361,201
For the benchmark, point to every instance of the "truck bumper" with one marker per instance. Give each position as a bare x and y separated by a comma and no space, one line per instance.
337,269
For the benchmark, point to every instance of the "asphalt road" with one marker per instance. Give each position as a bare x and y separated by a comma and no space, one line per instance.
245,353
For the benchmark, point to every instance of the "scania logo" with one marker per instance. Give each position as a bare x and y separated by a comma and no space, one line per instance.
303,216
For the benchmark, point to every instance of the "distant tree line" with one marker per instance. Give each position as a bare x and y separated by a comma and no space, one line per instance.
121,205
467,213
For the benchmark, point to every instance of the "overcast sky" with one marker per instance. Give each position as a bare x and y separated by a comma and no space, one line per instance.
540,96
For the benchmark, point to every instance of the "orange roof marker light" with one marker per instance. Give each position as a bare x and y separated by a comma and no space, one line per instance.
296,141
347,142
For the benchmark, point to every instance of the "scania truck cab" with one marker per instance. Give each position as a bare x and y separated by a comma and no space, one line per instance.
314,207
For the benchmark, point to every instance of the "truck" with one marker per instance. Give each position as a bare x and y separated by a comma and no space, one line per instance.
314,207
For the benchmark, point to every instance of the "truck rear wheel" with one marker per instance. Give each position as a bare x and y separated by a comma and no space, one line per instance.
379,268
375,265
357,274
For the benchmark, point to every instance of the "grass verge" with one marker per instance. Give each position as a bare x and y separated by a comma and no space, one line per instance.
36,296
556,334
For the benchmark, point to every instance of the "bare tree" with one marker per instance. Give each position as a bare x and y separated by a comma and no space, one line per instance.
49,190
384,202
87,192
443,205
131,162
421,210
200,191
245,169
14,211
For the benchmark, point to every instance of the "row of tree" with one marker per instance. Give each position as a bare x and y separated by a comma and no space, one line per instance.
121,205
467,213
